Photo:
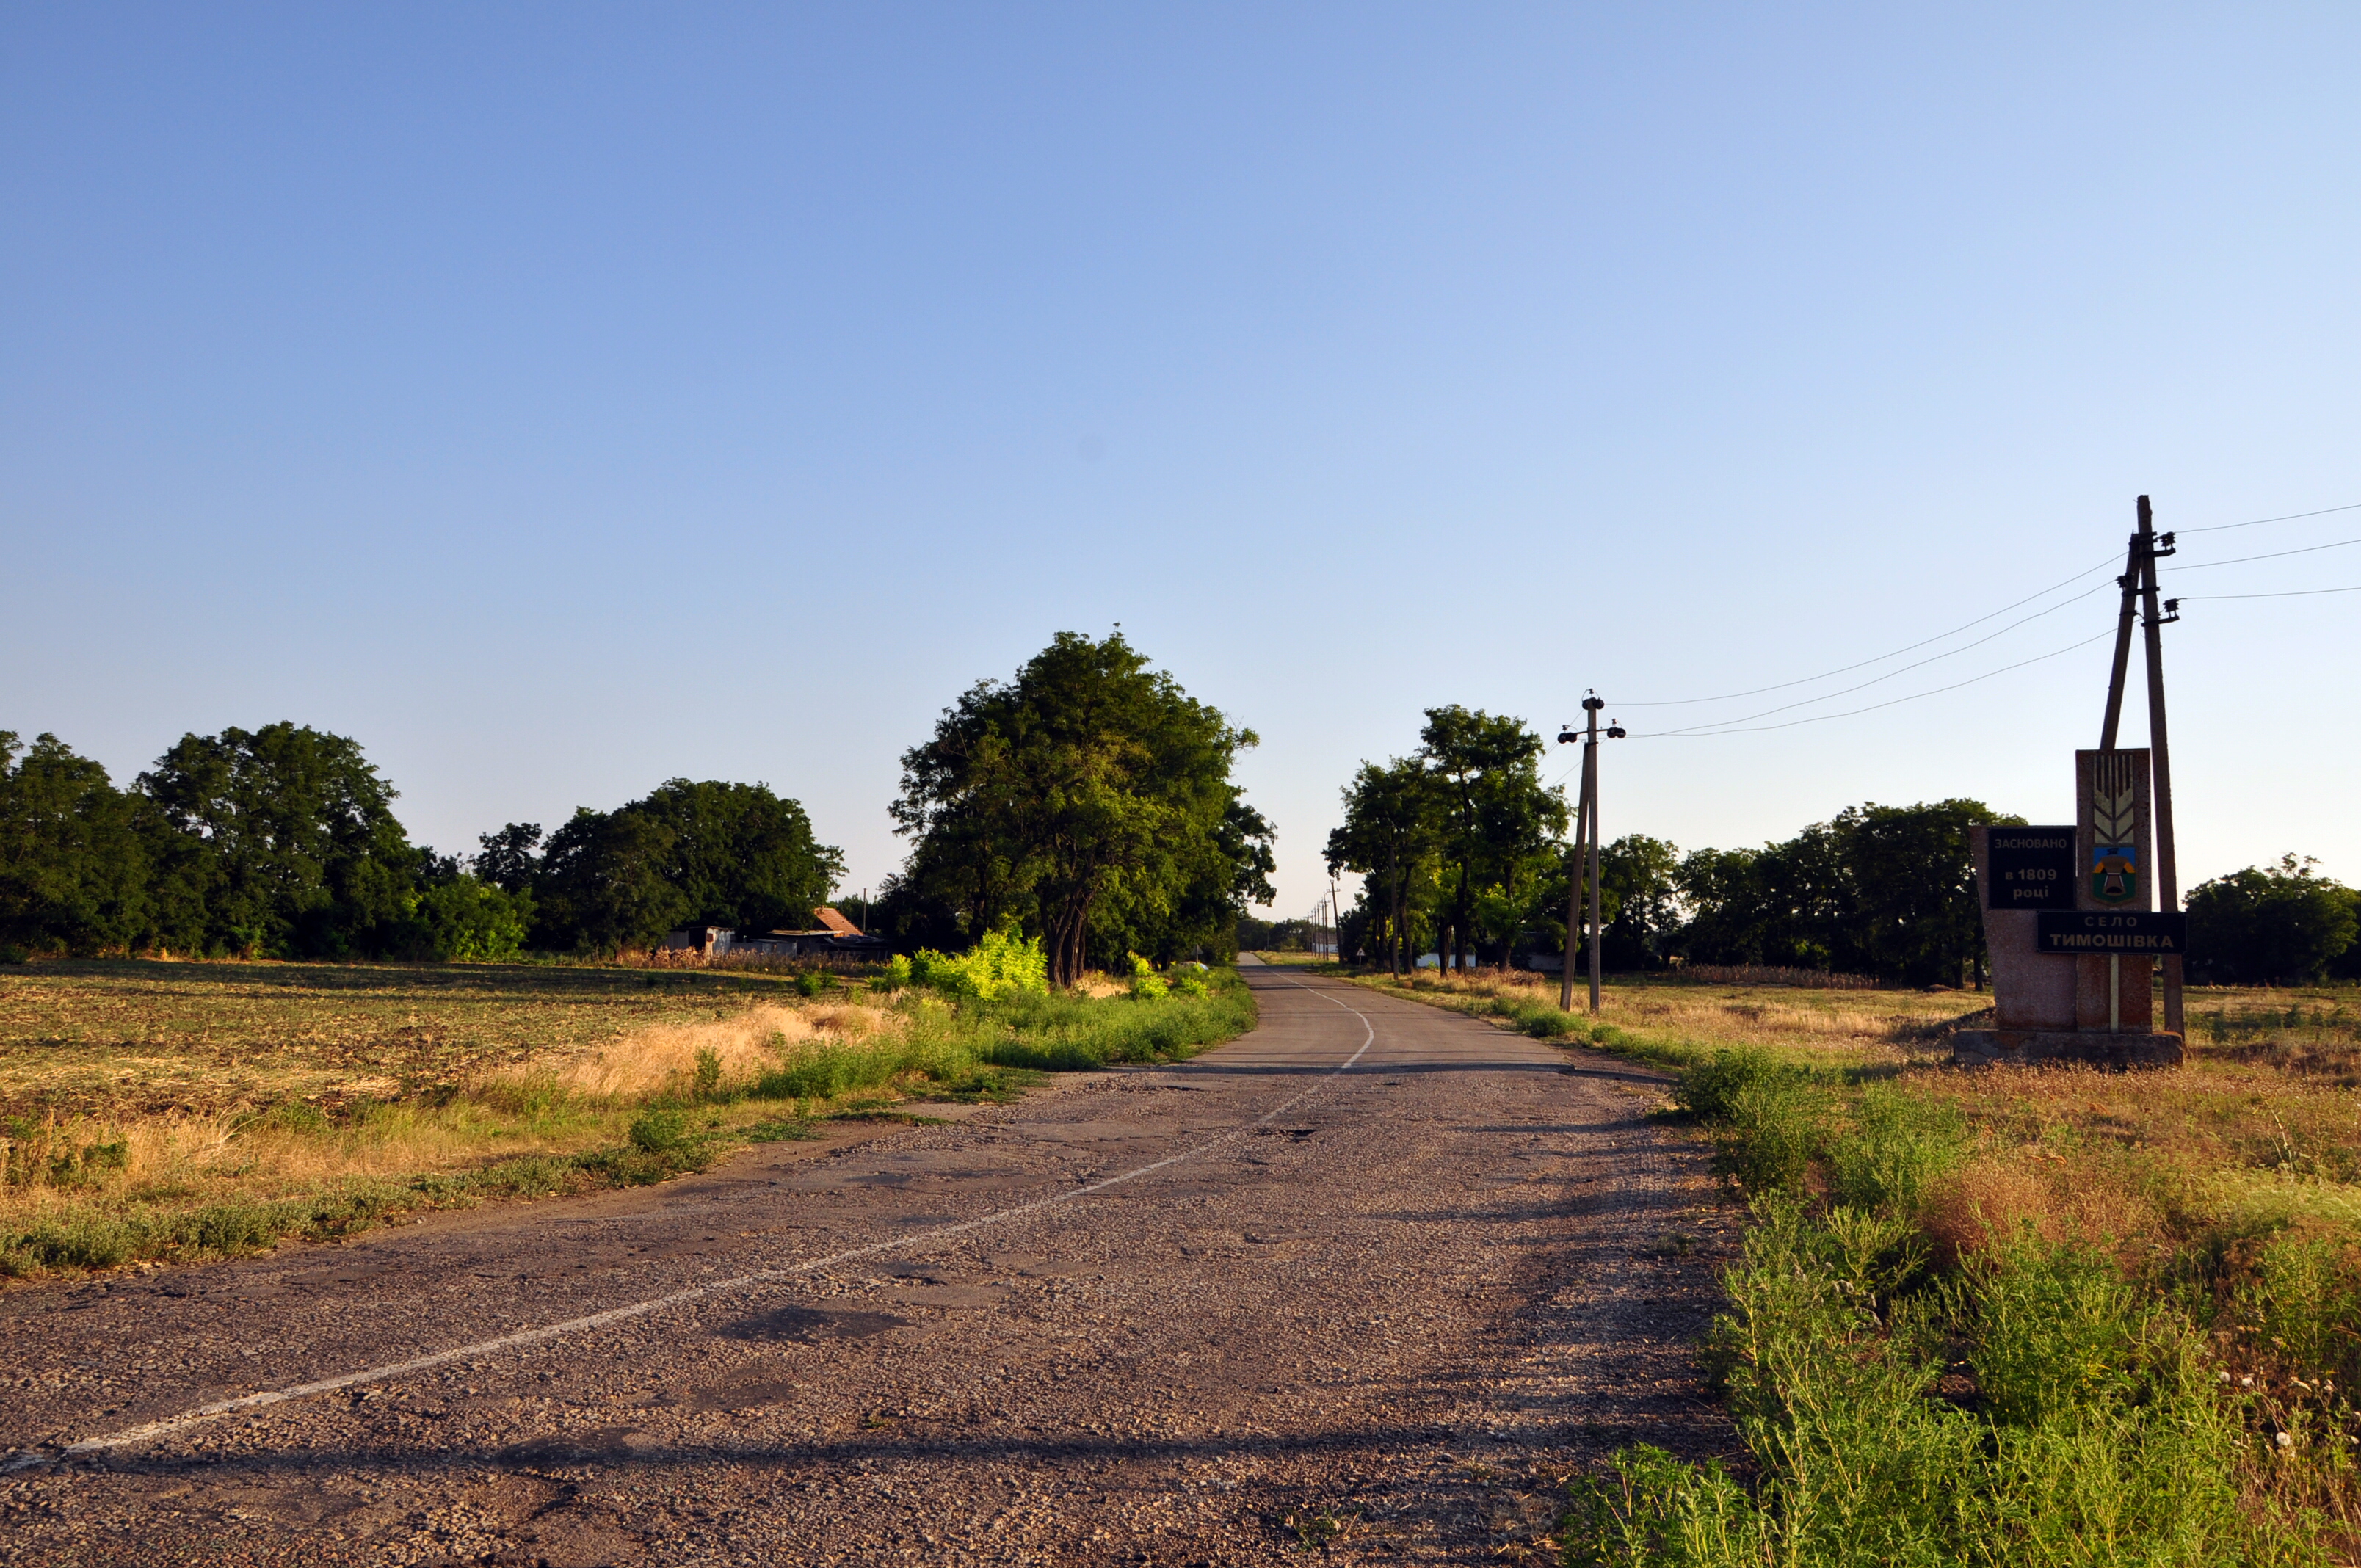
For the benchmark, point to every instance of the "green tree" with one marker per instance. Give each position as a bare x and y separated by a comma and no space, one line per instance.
2278,923
1387,836
508,857
1911,876
741,855
602,886
73,872
1638,884
1493,817
466,918
1882,890
281,840
1090,800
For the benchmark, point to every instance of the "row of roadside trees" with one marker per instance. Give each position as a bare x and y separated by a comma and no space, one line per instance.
282,842
1462,851
1461,848
1087,803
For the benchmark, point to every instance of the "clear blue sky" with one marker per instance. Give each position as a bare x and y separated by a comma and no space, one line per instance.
562,399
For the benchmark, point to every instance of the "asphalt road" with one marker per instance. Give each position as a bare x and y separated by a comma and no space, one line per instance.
1375,1276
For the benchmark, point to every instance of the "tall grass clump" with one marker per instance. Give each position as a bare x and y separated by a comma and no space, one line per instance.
2030,1401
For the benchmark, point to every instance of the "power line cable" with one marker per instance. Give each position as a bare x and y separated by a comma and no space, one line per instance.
1703,733
1848,669
1920,665
2257,522
2290,594
2272,555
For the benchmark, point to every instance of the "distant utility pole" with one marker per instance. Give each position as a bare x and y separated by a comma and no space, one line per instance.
1586,854
1336,916
2138,583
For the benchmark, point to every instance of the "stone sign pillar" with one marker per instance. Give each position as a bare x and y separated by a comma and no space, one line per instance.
2069,928
2111,994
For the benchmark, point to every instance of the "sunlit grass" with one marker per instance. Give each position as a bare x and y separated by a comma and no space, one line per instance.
179,1110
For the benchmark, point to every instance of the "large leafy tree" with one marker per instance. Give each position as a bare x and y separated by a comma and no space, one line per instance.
73,873
1494,819
2278,923
742,855
602,883
1089,800
281,840
724,854
1389,837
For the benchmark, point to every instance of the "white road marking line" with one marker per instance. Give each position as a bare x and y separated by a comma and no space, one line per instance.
151,1430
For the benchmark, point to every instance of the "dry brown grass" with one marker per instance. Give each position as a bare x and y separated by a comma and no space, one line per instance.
151,1087
742,1044
2260,1131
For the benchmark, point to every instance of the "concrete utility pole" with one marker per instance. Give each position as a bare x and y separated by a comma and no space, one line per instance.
1576,876
1586,851
2140,602
2130,583
2167,879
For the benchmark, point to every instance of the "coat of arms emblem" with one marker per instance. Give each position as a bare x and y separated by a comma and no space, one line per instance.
2114,832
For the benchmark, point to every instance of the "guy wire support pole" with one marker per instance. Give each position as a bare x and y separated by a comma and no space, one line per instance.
1590,774
1578,873
2130,583
1614,732
2167,879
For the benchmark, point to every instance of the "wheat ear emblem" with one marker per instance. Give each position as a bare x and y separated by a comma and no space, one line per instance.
2111,816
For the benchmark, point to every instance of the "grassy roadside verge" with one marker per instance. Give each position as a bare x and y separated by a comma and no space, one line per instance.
172,1113
2005,1317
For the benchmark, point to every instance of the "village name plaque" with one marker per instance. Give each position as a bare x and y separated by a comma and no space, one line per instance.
2144,932
2032,868
2072,931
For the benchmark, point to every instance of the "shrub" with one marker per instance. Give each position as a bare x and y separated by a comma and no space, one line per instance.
1768,1118
471,920
1898,1148
1146,985
2099,1437
659,1131
1002,964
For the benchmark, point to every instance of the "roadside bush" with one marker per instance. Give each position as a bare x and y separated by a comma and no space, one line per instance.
1898,1148
466,919
1767,1118
1002,964
1146,985
2090,1426
659,1131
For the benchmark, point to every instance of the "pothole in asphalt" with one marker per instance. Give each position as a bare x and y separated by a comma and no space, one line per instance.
805,1324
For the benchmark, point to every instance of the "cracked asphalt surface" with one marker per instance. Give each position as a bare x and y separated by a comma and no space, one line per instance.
1386,1320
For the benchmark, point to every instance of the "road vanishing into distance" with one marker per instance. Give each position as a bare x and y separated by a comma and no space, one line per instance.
1375,1276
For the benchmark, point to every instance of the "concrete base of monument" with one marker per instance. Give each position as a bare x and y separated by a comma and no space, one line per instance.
2030,1048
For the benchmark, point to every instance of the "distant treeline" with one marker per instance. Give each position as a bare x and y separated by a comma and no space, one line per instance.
1087,802
282,842
1460,844
1890,892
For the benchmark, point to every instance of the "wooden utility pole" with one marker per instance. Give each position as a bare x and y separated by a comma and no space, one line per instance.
2167,879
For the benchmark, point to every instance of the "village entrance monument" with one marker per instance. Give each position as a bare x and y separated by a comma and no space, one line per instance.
2071,925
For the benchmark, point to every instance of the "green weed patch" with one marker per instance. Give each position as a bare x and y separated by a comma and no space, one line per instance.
2029,1402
